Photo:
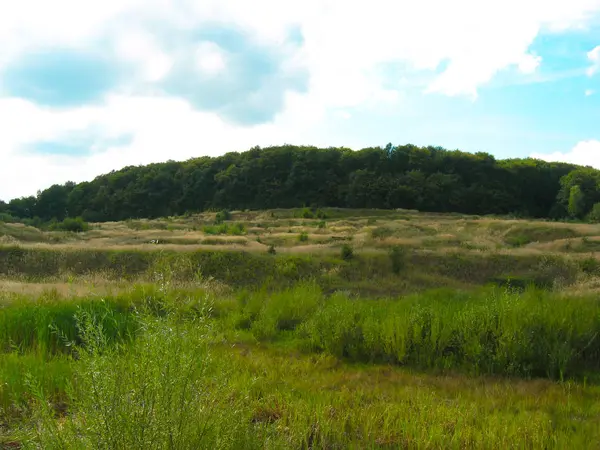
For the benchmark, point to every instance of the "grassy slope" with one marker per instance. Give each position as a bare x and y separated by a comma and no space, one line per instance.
298,369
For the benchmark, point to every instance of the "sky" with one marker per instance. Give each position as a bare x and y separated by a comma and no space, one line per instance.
90,87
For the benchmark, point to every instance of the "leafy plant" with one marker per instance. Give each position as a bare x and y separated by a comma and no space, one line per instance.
347,253
76,225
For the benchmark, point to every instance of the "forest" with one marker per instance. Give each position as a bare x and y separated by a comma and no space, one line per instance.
430,179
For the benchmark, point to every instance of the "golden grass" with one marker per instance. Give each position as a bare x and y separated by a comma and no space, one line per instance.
366,230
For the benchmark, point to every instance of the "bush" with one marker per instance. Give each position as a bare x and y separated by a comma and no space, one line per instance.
236,229
321,214
75,225
382,233
222,216
7,218
594,215
398,258
303,237
271,250
347,252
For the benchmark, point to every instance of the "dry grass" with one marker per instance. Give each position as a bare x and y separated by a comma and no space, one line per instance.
367,230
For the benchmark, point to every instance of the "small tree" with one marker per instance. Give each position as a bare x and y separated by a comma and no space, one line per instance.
594,215
576,202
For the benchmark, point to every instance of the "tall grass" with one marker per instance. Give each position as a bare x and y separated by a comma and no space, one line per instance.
163,391
42,325
494,332
179,383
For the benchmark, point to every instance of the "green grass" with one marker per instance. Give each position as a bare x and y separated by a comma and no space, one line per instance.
190,379
340,337
526,234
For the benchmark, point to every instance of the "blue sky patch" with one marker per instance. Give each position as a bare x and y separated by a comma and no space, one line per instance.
77,144
60,78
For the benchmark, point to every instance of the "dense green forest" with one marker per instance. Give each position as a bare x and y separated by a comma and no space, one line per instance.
424,178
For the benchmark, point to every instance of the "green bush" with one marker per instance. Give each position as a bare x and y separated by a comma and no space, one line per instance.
398,258
594,214
76,225
222,216
347,253
381,232
7,218
236,229
302,237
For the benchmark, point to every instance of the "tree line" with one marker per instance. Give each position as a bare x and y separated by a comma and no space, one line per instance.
424,178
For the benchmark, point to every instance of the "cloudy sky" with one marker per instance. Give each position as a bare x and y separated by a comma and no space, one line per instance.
87,87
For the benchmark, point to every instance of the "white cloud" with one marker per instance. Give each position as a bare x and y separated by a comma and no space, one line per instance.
210,58
585,153
344,46
344,40
162,128
589,92
594,57
141,48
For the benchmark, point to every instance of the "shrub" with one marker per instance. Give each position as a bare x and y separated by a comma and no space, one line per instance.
306,213
7,218
303,237
398,258
236,229
381,232
347,252
594,215
76,225
222,216
321,214
271,250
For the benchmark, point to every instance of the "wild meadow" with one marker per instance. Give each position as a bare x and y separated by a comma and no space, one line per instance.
301,329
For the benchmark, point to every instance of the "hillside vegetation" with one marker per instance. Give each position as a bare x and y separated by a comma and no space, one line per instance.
306,328
425,178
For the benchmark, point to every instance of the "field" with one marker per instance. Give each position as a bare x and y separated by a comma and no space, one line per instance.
301,328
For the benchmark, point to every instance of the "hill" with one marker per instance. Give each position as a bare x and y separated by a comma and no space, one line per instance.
429,179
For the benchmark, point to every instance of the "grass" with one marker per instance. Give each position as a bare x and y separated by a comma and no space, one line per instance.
301,328
254,369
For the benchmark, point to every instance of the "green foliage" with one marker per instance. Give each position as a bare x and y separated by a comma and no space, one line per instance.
492,333
406,177
307,213
75,225
398,258
303,237
271,250
222,216
521,235
579,191
235,229
381,232
576,202
594,214
191,375
7,218
32,325
347,253
164,391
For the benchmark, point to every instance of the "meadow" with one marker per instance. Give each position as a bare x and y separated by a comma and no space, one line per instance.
301,328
